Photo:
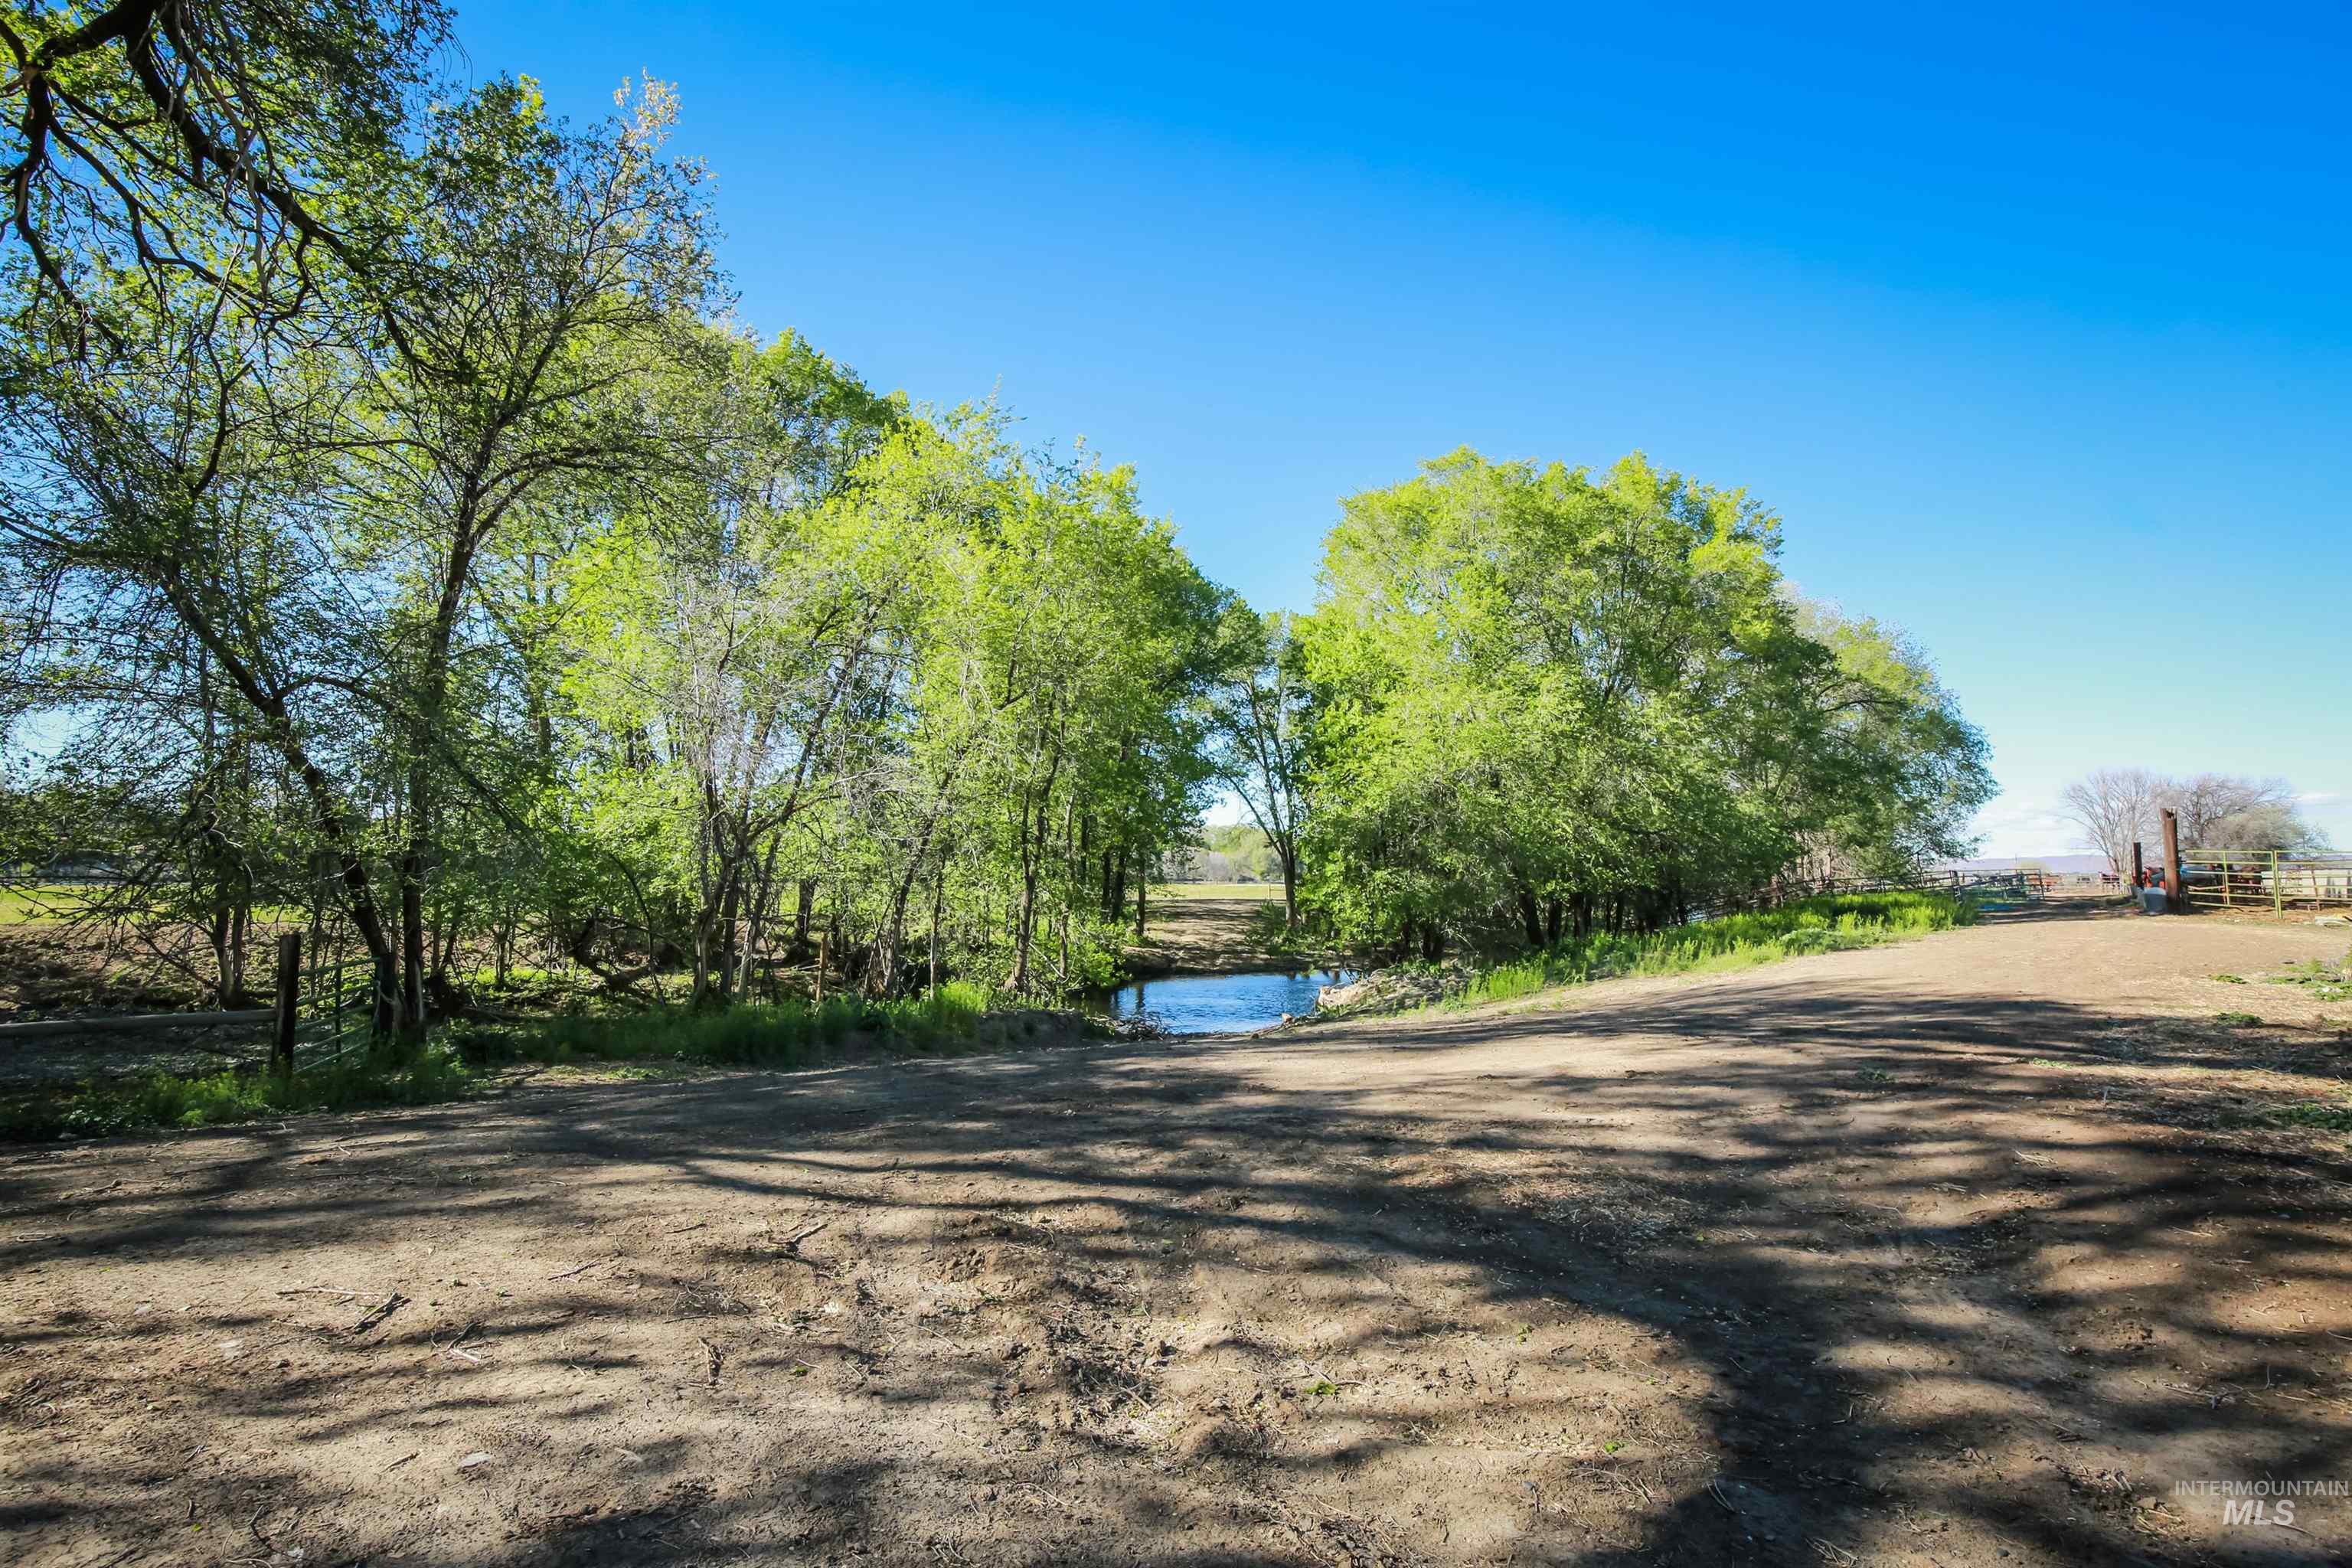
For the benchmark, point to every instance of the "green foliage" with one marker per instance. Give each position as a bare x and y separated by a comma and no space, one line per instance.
427,555
1245,849
1260,719
1735,941
391,1075
1547,698
2324,982
1271,930
782,1034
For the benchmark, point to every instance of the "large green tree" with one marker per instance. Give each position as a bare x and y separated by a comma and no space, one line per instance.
1551,701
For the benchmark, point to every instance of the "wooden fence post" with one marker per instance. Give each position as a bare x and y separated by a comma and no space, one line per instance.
2139,868
290,997
2278,886
2176,890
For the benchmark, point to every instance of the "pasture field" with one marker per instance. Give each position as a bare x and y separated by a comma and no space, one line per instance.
1997,1247
1256,892
34,906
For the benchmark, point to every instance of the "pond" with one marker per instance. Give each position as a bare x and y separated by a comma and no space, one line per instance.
1224,1003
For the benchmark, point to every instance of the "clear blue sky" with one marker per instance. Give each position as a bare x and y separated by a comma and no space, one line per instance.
2035,328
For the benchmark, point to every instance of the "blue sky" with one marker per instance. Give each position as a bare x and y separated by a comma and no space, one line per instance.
2034,328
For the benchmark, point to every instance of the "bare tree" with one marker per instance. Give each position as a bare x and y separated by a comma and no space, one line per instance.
2204,803
2115,807
2270,826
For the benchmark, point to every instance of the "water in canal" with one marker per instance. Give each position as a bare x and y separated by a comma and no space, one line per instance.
1224,1003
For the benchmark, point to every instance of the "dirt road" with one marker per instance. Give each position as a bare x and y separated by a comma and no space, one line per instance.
1195,933
1959,1252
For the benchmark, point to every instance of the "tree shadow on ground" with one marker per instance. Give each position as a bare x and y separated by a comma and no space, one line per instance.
1905,1290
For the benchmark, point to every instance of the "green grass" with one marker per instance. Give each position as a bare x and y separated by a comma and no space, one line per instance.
781,1033
1735,941
2311,1113
49,905
2325,981
651,1045
1183,892
35,906
394,1074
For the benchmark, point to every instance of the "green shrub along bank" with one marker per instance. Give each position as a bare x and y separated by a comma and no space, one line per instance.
395,1074
784,1034
1733,942
781,1033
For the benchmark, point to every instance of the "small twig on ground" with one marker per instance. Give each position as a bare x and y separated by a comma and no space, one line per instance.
379,1312
570,1272
451,1348
323,1290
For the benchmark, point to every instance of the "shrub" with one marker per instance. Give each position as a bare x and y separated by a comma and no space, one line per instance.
392,1074
1732,942
771,1033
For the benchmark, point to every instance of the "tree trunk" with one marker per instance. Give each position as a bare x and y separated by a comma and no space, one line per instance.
1114,884
278,725
755,925
412,903
939,905
715,981
1024,918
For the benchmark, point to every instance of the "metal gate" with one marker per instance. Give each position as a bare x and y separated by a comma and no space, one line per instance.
2274,879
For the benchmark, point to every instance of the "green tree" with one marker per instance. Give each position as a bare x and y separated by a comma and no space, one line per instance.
1549,701
1261,723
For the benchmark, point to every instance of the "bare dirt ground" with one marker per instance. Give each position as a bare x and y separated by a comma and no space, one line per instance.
1959,1252
1194,933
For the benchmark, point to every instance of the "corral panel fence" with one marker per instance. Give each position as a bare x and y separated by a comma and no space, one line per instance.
2274,879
